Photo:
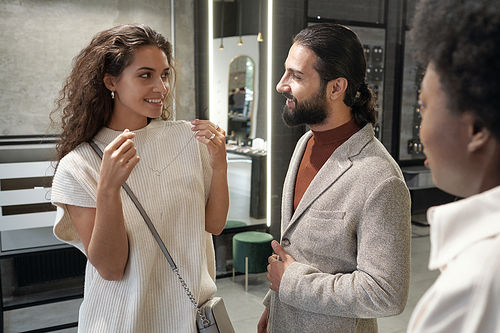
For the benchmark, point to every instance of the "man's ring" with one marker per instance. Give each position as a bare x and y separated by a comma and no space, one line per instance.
216,126
211,136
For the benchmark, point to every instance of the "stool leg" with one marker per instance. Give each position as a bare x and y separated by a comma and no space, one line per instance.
246,274
233,274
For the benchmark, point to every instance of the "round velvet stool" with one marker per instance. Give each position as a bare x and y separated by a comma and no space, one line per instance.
223,244
251,250
234,224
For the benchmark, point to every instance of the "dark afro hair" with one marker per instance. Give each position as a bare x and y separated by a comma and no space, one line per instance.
461,38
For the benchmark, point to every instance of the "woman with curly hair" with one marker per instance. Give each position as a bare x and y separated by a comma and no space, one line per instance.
459,42
118,95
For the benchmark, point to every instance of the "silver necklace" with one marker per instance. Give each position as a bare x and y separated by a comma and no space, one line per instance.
159,172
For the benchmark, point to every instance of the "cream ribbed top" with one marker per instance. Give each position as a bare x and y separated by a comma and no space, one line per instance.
172,182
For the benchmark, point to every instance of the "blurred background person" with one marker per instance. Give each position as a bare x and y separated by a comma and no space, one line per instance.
239,101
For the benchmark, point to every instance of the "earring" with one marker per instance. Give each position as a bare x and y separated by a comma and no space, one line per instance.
113,95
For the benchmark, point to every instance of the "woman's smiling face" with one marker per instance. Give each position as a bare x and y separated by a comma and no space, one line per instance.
140,90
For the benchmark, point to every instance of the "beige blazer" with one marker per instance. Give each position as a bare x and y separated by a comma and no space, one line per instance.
350,237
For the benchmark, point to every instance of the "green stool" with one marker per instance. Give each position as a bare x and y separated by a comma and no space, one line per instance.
223,244
234,224
251,250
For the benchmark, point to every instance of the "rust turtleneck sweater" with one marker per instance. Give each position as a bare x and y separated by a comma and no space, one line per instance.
319,148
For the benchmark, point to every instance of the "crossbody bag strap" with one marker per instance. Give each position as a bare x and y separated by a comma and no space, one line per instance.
158,239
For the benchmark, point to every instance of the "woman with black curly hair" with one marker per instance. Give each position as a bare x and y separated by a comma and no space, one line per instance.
118,95
459,42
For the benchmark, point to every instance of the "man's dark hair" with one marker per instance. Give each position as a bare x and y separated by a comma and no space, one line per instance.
461,39
340,54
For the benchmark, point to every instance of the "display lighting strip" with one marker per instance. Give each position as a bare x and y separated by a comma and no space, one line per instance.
172,28
211,86
269,106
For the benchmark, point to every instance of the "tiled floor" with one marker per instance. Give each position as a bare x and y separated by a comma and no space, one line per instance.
245,308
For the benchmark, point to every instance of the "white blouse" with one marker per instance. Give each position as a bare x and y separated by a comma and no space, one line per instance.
465,246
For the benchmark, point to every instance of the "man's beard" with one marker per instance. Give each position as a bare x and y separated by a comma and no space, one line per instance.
312,111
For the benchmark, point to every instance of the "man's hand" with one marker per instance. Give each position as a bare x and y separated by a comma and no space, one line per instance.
262,325
278,263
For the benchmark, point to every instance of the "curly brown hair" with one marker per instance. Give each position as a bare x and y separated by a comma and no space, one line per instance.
461,38
84,102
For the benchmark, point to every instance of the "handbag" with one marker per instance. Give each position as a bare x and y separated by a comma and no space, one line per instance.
212,315
215,312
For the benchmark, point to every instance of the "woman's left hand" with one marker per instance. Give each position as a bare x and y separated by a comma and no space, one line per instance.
217,206
214,138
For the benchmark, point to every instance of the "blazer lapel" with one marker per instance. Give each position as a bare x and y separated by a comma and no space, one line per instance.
289,184
331,171
328,175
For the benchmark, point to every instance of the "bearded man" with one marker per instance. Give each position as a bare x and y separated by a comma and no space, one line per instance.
344,255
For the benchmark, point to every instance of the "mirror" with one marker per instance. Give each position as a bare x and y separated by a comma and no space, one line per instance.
236,67
222,81
240,46
240,100
238,58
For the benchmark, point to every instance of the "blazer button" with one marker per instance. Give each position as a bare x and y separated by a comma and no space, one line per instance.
285,242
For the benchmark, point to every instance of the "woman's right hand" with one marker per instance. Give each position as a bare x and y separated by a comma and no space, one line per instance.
118,161
102,229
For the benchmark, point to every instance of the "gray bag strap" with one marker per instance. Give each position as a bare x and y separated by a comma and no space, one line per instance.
158,239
